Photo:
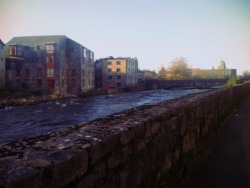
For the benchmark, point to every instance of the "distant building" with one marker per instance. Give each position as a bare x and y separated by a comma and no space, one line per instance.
221,72
117,72
51,64
2,64
146,74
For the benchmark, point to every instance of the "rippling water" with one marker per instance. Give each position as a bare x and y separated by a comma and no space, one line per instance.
23,121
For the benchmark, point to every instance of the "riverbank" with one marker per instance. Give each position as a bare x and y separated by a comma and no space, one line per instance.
33,100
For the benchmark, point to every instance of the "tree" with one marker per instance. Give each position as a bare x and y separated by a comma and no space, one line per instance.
246,75
180,69
162,73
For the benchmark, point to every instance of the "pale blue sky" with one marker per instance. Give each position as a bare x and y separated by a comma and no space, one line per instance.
154,31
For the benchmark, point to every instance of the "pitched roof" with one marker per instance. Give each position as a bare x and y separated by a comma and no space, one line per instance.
1,42
29,40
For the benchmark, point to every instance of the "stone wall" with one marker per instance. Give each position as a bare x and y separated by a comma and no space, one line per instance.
149,146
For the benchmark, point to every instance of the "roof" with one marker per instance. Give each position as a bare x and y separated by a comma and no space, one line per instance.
35,40
29,40
1,42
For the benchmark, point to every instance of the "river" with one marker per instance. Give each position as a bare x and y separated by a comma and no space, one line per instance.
23,121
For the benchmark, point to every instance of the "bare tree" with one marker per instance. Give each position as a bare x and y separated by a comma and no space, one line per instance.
179,69
162,73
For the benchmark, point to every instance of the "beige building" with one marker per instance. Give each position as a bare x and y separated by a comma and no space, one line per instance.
117,72
2,64
220,72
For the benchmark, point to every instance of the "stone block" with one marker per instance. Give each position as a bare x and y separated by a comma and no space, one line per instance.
126,136
68,165
107,145
155,126
114,161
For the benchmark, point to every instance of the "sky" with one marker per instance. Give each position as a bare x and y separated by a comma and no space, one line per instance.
155,31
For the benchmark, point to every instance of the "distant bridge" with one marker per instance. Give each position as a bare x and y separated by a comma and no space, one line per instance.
170,84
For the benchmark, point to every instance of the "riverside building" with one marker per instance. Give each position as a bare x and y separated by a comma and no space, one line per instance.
51,64
2,64
120,72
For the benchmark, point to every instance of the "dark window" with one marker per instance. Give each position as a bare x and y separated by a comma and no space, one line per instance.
39,83
73,72
26,48
118,70
118,62
38,47
119,84
109,70
110,77
109,63
50,59
18,73
39,72
118,77
82,72
27,72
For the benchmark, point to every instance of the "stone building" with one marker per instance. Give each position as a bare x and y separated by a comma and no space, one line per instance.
51,64
221,72
120,72
2,64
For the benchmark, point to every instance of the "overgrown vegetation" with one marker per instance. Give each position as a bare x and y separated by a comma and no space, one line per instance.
233,81
9,94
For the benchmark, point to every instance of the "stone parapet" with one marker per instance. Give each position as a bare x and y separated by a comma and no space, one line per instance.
148,146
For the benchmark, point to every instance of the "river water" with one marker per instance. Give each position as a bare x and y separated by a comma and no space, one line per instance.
23,121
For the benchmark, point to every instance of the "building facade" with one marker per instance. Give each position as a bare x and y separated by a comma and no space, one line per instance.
2,65
120,72
146,74
221,72
51,64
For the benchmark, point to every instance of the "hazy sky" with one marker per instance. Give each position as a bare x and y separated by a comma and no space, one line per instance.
154,31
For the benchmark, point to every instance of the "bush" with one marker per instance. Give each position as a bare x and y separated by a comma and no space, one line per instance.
233,81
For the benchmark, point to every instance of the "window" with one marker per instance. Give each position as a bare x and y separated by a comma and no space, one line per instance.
50,72
38,47
39,83
118,77
118,62
18,73
49,59
1,59
110,77
73,72
26,48
12,50
109,70
118,84
84,52
39,60
50,48
82,72
118,70
27,72
83,83
39,72
109,63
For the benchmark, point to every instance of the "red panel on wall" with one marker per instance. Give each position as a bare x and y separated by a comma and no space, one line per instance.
50,65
